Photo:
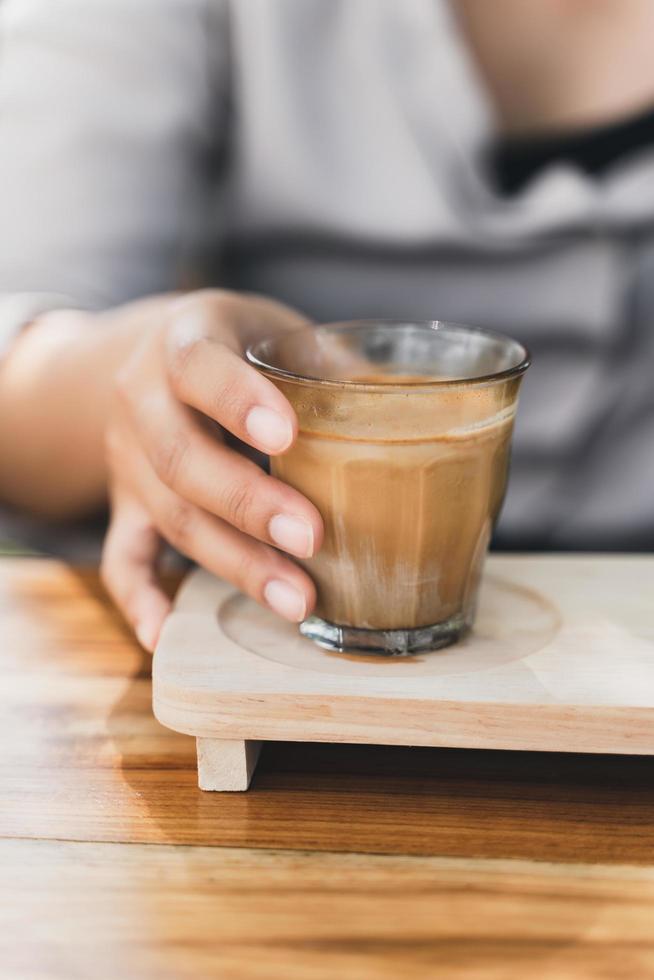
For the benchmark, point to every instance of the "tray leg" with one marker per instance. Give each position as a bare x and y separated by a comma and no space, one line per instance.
226,764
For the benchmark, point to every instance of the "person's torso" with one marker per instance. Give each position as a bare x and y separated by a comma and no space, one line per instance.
356,188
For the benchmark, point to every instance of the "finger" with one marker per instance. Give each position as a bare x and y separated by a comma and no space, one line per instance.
245,316
253,567
201,469
206,371
128,569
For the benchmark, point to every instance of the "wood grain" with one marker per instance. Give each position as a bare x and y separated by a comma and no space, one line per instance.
561,659
72,911
226,766
83,759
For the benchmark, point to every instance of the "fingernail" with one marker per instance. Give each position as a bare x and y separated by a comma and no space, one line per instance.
293,534
147,634
286,600
270,430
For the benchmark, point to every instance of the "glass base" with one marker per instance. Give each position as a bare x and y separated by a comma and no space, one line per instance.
387,643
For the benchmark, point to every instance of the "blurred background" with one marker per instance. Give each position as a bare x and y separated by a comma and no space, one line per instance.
487,163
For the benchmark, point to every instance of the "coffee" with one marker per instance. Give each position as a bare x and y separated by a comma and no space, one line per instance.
407,521
403,444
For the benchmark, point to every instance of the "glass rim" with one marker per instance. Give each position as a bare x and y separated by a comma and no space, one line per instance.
428,384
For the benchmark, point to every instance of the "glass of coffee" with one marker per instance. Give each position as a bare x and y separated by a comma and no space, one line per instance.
403,446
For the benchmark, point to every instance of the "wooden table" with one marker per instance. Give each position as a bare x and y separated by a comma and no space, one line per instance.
341,861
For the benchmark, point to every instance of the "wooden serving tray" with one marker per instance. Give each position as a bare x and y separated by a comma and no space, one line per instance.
561,659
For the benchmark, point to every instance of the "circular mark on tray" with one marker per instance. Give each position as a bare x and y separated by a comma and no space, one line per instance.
512,622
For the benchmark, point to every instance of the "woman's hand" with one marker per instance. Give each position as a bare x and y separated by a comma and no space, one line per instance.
174,478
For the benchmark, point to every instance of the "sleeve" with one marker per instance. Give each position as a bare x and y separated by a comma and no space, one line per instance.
109,112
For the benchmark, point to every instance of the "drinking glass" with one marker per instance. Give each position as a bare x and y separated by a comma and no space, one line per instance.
403,446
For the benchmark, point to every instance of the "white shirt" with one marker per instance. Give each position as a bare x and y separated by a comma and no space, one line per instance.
330,153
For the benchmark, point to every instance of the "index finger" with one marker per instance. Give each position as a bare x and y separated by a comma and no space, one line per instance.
207,372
